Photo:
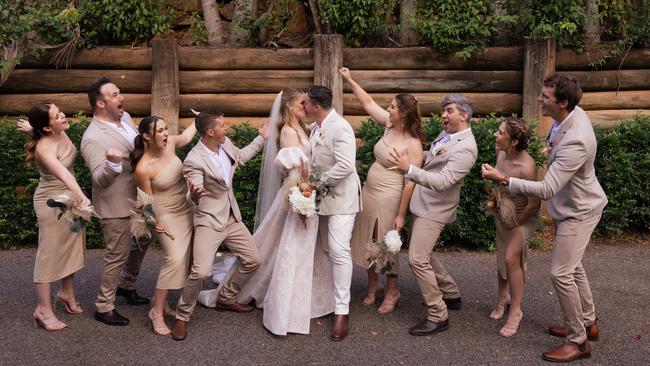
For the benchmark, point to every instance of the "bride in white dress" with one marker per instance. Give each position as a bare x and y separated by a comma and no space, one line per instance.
294,282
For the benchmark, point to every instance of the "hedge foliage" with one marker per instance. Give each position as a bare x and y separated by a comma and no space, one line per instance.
622,166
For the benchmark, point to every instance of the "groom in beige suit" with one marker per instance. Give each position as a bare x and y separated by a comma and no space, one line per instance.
333,155
576,201
433,205
105,147
209,168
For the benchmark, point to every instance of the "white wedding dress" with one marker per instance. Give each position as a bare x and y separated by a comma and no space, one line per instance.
294,281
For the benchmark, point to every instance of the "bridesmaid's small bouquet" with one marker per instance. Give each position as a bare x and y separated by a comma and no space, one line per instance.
500,205
143,219
73,210
381,252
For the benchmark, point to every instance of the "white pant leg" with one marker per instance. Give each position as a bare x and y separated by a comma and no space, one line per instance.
338,229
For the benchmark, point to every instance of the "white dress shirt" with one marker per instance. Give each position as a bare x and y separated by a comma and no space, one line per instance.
221,161
128,133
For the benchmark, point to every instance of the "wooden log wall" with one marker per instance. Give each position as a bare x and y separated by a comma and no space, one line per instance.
243,82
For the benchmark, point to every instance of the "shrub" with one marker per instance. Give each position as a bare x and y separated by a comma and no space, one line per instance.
361,22
449,25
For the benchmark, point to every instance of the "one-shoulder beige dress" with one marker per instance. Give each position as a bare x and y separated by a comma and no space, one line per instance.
174,212
504,235
60,251
381,197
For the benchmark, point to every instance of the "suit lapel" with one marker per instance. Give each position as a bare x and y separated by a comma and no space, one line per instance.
114,134
216,170
430,156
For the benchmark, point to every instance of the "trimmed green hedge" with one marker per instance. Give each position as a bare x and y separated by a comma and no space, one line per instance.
623,168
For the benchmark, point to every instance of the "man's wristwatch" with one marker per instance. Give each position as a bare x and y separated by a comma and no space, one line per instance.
505,181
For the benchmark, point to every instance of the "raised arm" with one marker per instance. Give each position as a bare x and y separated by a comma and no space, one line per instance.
97,159
46,152
185,137
378,113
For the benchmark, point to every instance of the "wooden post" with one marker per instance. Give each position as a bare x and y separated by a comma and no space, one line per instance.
407,36
328,59
164,82
539,62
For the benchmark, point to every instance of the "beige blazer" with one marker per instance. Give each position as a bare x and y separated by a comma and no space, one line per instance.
437,192
111,190
570,184
214,209
333,155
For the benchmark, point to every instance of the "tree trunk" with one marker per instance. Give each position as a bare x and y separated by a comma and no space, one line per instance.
244,11
212,23
11,55
592,23
407,36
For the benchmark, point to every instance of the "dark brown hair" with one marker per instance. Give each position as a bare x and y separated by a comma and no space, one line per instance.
566,88
94,91
205,120
145,126
410,111
39,118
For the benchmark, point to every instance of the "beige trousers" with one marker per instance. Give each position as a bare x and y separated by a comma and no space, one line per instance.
122,254
569,277
206,243
433,279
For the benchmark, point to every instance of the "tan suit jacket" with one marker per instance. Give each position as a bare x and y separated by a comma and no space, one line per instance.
214,209
570,184
437,192
111,190
333,155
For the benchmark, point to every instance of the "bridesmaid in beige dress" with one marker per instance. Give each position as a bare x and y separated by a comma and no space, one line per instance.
385,195
159,173
514,229
60,252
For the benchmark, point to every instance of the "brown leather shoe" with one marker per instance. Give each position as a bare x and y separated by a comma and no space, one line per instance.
593,332
429,327
340,328
234,307
179,330
568,352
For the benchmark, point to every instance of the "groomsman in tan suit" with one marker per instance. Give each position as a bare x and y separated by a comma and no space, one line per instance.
209,168
105,147
333,155
576,201
433,205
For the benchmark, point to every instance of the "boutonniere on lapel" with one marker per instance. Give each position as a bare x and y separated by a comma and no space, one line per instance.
546,150
321,137
440,152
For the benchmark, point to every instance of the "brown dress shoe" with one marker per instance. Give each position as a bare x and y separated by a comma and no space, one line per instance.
340,328
179,330
234,307
568,352
429,327
593,332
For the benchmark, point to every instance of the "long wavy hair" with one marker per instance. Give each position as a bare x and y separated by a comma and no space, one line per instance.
410,111
145,126
288,96
39,118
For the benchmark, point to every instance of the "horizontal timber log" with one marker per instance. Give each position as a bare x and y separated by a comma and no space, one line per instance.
243,81
611,79
98,58
411,81
69,103
569,60
422,58
611,118
484,103
635,99
74,80
245,59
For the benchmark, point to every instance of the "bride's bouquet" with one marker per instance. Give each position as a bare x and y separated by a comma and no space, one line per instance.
302,201
321,186
143,219
73,210
382,254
